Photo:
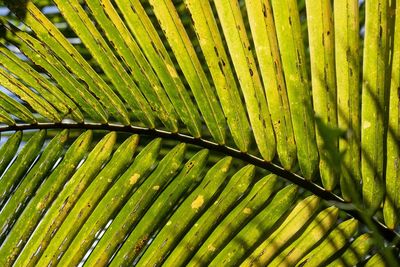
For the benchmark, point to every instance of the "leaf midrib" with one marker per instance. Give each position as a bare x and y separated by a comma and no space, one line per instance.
390,235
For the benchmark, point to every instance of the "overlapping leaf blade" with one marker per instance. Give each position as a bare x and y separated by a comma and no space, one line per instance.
139,63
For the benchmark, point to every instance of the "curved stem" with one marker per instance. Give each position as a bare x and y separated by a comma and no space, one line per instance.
319,191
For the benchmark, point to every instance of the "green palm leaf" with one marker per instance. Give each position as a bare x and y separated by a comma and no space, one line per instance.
197,133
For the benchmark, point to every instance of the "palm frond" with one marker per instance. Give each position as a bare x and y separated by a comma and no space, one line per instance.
233,101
